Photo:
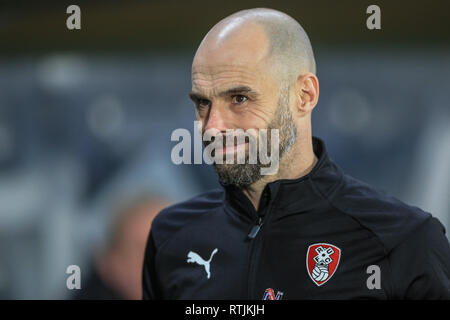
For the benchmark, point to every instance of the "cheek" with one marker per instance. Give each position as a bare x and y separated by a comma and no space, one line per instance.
257,116
251,122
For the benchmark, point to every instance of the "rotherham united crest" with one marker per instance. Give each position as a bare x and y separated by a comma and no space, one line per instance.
322,260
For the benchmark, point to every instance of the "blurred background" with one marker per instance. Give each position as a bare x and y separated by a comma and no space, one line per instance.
86,117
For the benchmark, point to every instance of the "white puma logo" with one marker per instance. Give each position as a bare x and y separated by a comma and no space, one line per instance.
194,257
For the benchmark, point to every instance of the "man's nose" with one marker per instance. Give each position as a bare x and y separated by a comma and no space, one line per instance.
217,119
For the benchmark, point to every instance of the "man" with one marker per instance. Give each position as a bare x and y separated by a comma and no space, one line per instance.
307,232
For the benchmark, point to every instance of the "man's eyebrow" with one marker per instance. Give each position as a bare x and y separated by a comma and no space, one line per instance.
238,90
196,96
232,91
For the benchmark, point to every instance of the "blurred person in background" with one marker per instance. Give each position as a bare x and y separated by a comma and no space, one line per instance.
117,268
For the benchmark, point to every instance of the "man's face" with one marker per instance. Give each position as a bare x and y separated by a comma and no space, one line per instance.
233,89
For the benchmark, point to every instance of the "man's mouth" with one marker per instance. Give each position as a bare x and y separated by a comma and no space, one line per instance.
231,149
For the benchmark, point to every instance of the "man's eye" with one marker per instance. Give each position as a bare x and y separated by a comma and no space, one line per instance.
239,99
203,103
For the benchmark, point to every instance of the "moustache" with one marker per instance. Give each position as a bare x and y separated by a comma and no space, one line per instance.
227,139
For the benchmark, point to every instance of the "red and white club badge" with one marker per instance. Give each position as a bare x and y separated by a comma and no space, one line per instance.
322,260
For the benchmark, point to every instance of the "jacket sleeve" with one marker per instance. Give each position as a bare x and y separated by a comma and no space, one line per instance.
420,265
150,288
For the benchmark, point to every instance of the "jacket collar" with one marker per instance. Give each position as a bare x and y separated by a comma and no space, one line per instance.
287,196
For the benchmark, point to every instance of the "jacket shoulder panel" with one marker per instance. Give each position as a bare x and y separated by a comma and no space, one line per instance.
426,257
390,219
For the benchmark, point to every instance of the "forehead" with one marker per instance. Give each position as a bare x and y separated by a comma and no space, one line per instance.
239,58
214,77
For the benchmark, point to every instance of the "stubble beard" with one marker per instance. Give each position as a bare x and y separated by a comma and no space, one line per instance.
246,174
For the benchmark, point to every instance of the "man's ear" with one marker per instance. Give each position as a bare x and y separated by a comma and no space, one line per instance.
307,92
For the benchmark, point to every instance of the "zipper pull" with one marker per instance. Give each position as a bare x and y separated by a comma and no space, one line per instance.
255,229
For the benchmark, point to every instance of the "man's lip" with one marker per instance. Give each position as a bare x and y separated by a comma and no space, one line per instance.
232,149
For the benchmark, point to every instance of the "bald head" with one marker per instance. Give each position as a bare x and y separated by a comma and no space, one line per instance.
262,36
255,70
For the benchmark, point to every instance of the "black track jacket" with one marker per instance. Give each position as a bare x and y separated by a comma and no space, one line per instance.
323,236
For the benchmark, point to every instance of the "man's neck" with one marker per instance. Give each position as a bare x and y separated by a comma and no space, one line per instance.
298,162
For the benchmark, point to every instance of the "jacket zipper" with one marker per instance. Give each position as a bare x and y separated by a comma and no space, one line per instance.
255,229
255,248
